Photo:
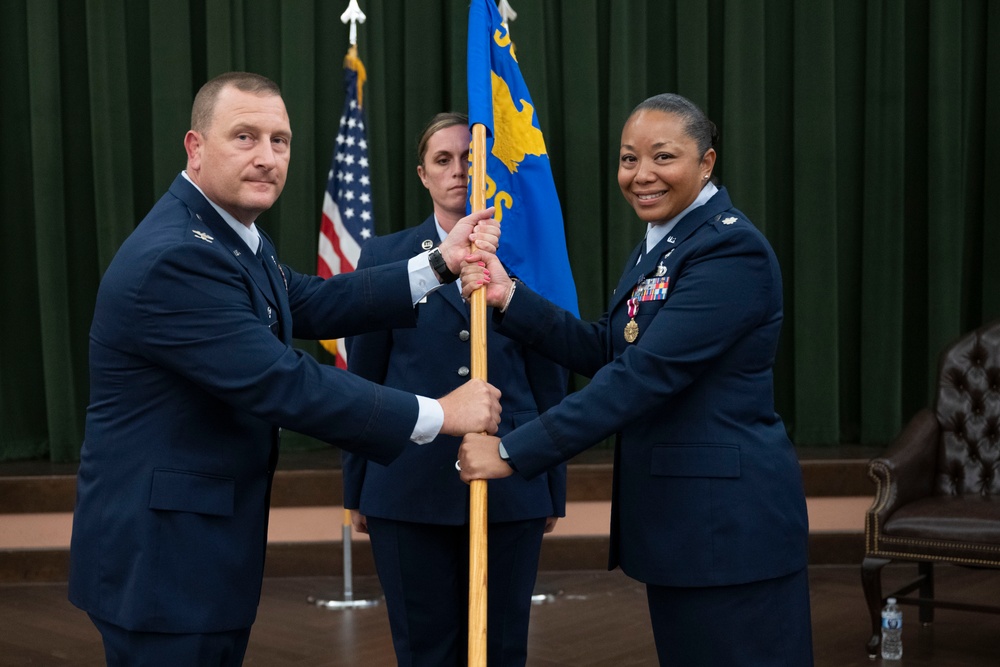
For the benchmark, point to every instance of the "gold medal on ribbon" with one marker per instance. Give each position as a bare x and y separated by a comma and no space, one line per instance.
631,331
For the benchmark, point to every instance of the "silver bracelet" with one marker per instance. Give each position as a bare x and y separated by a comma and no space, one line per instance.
510,294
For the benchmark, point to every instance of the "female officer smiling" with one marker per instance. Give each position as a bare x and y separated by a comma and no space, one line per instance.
708,508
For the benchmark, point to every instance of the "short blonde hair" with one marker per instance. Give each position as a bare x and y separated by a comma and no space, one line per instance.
437,123
203,107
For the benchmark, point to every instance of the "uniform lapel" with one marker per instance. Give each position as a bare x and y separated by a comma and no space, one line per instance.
451,294
630,276
256,267
224,235
277,288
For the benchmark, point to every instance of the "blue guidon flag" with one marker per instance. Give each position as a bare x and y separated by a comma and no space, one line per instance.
518,174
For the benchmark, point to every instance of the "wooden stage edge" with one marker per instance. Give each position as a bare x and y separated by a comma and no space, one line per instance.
308,559
38,497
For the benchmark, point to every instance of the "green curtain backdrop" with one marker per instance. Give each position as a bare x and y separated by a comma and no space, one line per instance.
855,134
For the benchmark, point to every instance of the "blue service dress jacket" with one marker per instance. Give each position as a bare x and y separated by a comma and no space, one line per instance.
433,359
707,487
192,377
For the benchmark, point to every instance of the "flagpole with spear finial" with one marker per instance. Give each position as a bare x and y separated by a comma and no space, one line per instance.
507,12
354,15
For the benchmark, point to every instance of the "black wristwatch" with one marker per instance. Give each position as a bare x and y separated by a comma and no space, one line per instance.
441,267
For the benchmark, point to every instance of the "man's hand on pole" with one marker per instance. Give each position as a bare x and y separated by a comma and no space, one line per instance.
472,408
478,230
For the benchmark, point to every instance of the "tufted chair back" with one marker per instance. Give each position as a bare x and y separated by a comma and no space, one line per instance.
968,412
937,487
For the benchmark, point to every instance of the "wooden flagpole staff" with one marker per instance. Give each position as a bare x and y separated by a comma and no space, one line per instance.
478,524
478,520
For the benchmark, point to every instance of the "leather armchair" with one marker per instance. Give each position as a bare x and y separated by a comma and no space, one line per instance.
937,497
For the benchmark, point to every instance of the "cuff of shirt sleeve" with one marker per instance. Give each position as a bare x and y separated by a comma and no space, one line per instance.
429,420
423,280
505,456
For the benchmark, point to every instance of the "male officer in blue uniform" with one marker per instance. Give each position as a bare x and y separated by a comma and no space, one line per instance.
193,375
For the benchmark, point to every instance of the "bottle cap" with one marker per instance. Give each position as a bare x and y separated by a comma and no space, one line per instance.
891,600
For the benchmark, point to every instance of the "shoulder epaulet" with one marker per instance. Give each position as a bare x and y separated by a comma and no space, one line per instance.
728,219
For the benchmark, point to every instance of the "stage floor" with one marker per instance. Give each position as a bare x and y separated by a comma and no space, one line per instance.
590,618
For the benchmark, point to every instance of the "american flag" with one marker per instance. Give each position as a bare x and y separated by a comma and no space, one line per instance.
347,220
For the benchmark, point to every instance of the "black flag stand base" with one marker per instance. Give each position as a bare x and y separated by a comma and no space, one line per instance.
348,602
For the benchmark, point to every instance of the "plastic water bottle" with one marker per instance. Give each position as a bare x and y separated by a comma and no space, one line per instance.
892,631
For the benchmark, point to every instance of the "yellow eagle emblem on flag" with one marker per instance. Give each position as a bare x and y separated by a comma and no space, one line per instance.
514,136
